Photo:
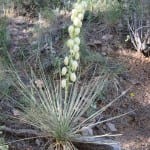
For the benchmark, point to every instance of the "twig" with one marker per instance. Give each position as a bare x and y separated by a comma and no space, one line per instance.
142,28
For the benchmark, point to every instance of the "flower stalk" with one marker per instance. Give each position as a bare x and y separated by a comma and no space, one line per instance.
71,62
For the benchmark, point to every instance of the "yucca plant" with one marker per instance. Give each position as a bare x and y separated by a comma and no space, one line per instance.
57,113
55,107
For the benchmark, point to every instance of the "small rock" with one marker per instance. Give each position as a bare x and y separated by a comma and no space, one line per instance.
38,142
104,127
131,117
34,43
86,131
109,50
97,143
104,53
15,112
111,127
107,37
104,48
134,81
20,21
97,42
13,31
120,25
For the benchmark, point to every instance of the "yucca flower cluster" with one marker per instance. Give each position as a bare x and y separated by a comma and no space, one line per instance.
71,61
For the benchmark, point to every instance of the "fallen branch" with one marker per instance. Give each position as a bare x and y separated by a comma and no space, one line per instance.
21,132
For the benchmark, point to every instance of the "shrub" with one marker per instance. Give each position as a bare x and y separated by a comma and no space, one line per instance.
138,25
110,10
32,7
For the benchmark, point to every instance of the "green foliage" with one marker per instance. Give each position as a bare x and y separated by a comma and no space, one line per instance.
137,10
132,7
5,80
33,7
110,10
4,37
4,2
88,56
113,12
47,13
4,44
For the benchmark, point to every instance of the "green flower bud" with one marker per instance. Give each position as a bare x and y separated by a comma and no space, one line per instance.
66,61
77,40
64,71
74,65
73,77
70,43
76,48
63,83
77,56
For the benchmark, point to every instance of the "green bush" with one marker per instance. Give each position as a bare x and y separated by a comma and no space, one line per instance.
110,10
32,7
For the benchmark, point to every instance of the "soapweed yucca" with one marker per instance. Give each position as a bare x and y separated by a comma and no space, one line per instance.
54,111
56,106
57,113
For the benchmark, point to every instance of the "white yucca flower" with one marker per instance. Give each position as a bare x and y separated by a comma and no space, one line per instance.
72,52
63,83
73,77
76,31
70,43
71,30
64,71
77,56
77,22
74,65
79,7
80,16
77,40
66,61
74,12
76,48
